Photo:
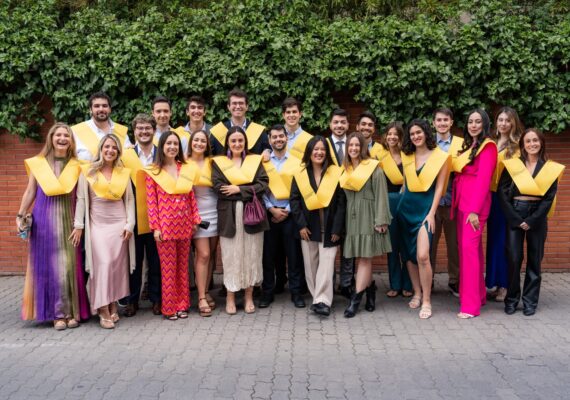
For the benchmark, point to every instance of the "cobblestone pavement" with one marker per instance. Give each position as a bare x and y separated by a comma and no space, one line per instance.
282,352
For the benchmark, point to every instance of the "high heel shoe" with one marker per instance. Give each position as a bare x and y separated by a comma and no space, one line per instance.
371,297
352,308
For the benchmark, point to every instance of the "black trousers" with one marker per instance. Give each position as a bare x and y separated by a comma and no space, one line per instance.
535,238
145,242
280,244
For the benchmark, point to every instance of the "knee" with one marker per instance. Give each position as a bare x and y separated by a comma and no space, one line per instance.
202,256
423,259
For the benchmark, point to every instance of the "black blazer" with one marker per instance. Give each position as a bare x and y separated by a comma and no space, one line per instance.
335,151
333,214
507,190
261,144
227,204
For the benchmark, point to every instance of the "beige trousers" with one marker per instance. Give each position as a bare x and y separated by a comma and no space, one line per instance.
319,270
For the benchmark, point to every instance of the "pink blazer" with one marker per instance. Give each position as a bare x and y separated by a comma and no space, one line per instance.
472,186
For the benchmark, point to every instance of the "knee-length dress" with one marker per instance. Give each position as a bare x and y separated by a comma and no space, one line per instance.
207,205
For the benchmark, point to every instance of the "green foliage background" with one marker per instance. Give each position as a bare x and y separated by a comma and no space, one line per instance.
461,55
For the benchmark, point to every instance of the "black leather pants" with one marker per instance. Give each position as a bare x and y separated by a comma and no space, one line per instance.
535,238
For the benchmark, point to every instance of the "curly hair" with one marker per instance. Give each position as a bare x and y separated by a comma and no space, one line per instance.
408,147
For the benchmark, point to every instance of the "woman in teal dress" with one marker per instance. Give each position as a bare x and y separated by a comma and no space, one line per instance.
367,216
425,175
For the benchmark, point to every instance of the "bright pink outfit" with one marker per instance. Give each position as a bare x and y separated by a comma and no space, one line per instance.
173,215
472,194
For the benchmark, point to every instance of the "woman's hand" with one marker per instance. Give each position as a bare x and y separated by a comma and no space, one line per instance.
228,190
75,237
157,236
381,228
473,219
335,238
195,228
305,234
126,235
524,226
430,219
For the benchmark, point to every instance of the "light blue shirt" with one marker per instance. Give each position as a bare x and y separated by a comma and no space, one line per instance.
268,198
445,145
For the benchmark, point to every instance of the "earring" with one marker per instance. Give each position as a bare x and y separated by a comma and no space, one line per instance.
229,153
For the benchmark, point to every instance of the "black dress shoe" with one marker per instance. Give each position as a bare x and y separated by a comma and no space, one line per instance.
528,311
130,310
322,309
265,300
326,310
313,307
298,300
510,310
156,309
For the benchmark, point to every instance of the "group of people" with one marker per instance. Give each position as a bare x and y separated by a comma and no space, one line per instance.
281,203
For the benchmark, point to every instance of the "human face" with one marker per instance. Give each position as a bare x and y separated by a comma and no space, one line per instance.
392,138
110,151
199,143
475,125
504,124
162,113
318,154
61,140
277,139
442,123
339,125
196,112
144,133
366,127
532,144
292,116
237,107
171,147
236,143
417,136
100,110
354,149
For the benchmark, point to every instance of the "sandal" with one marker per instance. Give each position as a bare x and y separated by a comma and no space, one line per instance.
106,323
463,315
182,314
172,317
249,308
115,317
425,311
415,302
59,325
211,301
71,323
205,311
392,293
407,293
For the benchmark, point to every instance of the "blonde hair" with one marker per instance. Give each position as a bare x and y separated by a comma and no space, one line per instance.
98,162
48,149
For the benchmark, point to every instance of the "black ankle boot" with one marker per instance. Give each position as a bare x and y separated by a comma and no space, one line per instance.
371,297
352,308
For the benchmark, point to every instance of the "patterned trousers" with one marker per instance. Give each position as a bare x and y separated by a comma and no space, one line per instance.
174,275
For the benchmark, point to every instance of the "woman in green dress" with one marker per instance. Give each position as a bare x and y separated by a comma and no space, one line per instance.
367,215
425,174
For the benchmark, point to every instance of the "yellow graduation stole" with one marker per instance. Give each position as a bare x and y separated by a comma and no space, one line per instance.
459,162
298,148
51,184
333,154
455,147
376,150
204,177
354,179
182,134
437,159
539,185
390,167
110,190
499,168
132,161
253,132
239,176
280,181
323,197
90,139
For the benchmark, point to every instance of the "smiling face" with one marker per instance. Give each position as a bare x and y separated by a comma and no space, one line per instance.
199,143
392,139
277,139
171,147
292,116
475,125
237,107
442,123
109,151
196,112
366,127
236,144
417,136
318,154
504,124
339,125
162,113
144,133
100,109
353,149
61,140
532,143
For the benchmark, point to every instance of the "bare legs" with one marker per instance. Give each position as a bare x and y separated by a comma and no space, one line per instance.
421,275
363,274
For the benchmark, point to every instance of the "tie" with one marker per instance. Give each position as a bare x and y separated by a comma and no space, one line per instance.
340,151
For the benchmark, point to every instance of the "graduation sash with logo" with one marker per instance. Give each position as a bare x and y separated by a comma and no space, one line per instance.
537,186
51,184
323,197
110,190
388,164
354,179
90,139
298,148
183,134
376,150
204,173
499,168
459,162
437,159
242,175
280,181
253,132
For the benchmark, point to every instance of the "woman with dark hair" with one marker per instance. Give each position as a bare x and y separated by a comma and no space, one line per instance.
54,288
237,177
391,163
471,201
527,191
173,217
205,239
318,205
426,172
508,130
367,217
106,211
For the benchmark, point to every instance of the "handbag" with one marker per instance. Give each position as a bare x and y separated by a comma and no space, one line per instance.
253,211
